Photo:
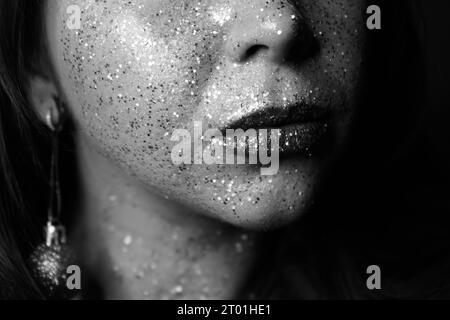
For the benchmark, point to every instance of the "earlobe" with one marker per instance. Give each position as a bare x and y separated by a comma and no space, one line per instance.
44,98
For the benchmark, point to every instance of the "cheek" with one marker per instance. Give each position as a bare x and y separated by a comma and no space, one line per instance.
133,75
340,30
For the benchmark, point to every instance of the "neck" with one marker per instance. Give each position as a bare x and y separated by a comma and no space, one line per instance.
137,244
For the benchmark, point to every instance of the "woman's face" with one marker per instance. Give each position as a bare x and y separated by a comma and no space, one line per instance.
136,71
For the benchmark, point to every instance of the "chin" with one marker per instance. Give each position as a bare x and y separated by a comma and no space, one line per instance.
267,218
266,205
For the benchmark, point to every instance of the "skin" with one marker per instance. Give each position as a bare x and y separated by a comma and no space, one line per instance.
136,72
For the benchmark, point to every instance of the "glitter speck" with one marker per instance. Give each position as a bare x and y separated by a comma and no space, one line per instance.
127,240
177,290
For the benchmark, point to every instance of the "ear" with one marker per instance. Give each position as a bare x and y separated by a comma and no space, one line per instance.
44,98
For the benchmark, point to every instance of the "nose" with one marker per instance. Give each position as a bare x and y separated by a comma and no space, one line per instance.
273,29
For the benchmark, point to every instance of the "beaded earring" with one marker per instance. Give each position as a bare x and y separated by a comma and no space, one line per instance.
50,260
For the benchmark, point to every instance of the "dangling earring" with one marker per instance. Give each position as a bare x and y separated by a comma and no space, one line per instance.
50,259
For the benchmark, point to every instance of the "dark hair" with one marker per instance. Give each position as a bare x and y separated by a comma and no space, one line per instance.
22,182
324,256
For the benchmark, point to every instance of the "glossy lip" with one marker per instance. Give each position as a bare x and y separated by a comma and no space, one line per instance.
301,138
279,116
302,126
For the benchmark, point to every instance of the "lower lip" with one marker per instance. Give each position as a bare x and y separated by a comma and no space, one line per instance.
302,138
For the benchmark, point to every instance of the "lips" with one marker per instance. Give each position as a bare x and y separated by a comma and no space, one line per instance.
302,126
302,138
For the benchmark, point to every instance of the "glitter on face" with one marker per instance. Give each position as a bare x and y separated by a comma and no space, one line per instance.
136,71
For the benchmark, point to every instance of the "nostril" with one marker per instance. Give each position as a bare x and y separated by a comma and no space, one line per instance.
254,50
271,35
